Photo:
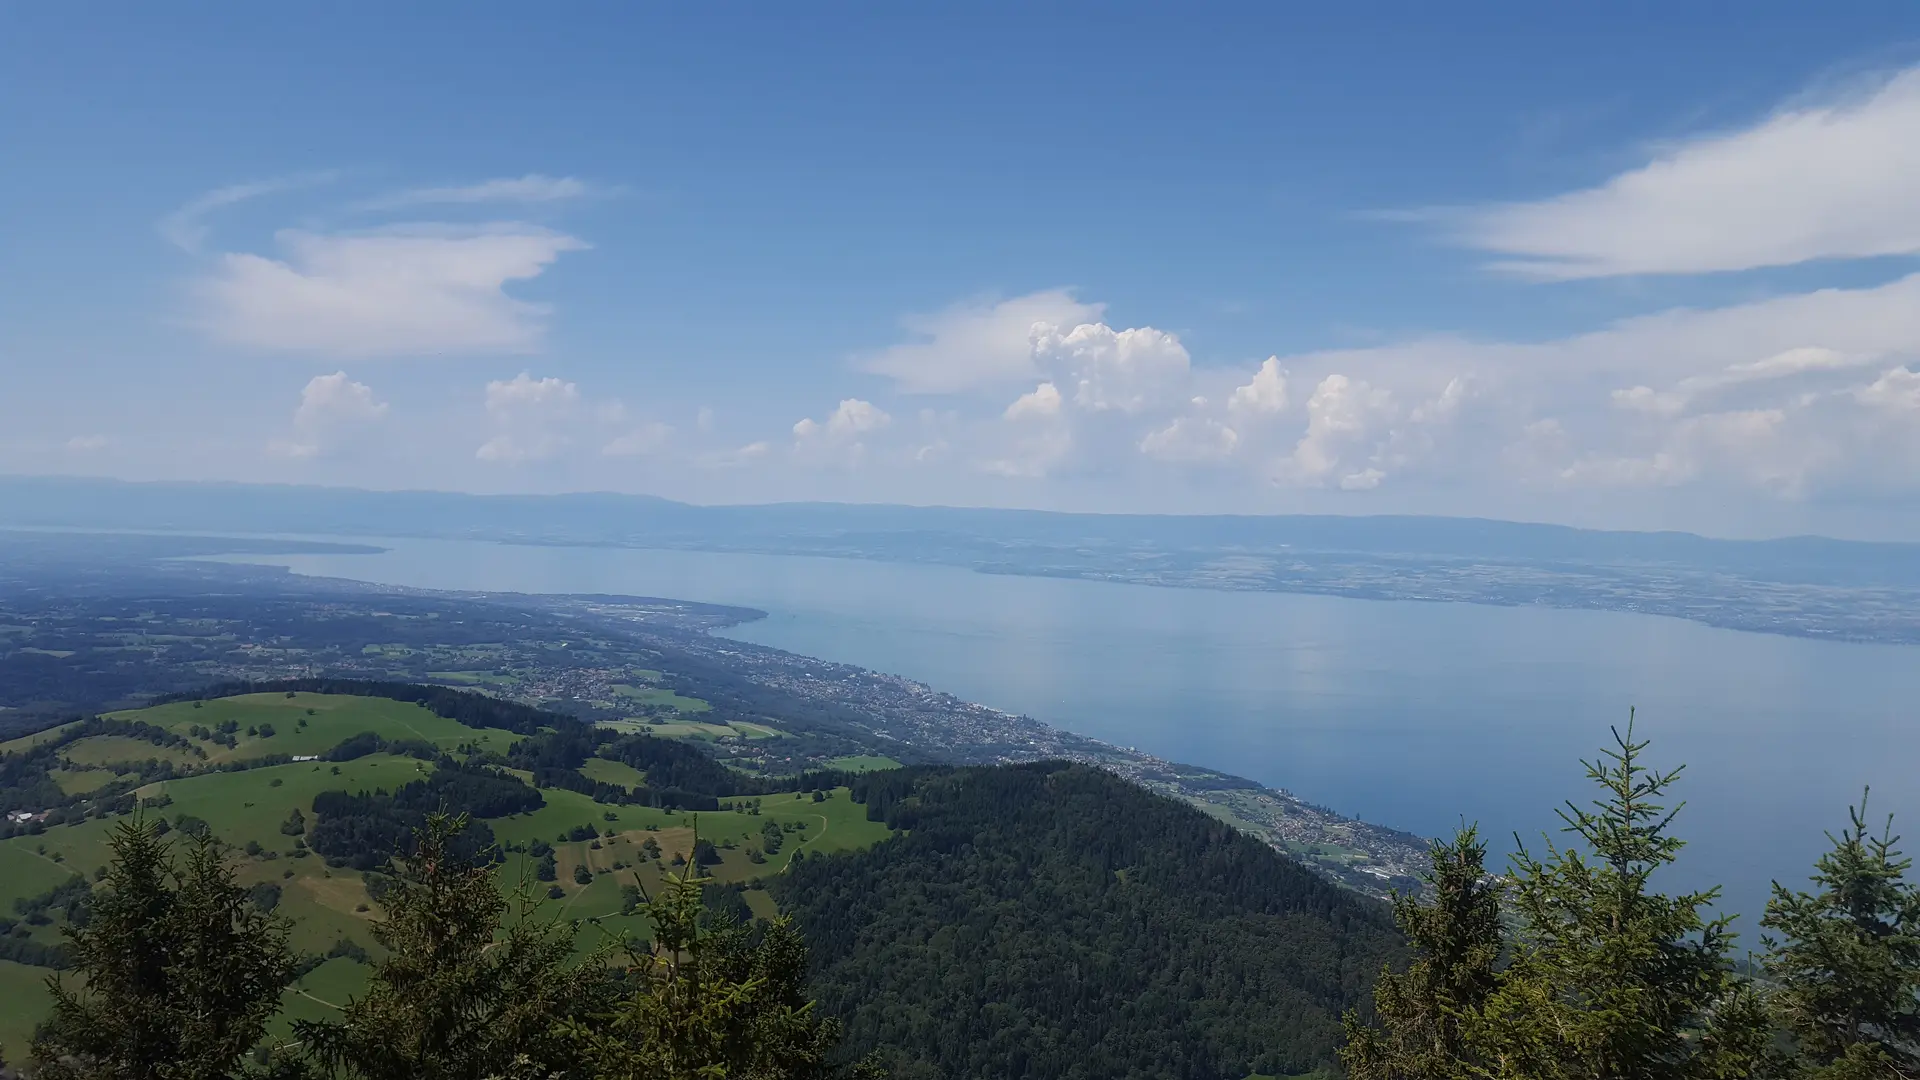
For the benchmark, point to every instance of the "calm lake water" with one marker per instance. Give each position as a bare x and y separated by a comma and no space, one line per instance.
1413,715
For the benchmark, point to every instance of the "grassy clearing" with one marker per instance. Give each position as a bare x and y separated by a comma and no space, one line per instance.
319,995
654,695
697,730
335,981
27,871
28,742
118,749
613,772
24,989
837,824
310,723
81,781
475,678
863,763
245,806
397,652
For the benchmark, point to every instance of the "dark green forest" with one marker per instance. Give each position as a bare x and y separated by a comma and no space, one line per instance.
1053,920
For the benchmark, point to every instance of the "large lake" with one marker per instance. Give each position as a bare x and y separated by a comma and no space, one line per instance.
1409,714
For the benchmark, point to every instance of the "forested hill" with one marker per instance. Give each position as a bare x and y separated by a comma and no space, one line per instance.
1052,920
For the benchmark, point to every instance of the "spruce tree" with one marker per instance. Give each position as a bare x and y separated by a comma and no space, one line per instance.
472,986
179,971
709,1001
1611,980
1848,967
1457,939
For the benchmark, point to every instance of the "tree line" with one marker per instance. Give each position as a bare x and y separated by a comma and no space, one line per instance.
1571,966
1046,920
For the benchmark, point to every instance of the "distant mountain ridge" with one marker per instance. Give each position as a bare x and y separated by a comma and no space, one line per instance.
908,533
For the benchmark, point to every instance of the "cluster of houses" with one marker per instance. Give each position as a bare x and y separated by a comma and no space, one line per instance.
24,817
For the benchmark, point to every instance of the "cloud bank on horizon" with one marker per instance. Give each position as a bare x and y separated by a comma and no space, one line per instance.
1804,387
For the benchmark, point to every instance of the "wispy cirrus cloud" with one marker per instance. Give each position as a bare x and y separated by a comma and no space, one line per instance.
408,289
1829,180
419,290
186,228
528,189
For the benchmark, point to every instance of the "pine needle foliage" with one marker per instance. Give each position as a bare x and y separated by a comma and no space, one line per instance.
1610,978
1457,938
474,985
1847,970
179,971
709,999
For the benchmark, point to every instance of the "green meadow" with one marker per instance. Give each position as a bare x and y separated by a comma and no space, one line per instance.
862,763
653,695
24,989
697,730
247,808
309,723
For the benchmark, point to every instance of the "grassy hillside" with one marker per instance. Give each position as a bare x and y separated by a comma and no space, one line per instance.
246,793
24,990
1047,921
305,723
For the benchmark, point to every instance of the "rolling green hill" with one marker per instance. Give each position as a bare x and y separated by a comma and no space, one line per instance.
1045,920
223,764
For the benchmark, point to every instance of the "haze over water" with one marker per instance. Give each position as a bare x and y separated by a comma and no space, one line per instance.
1408,714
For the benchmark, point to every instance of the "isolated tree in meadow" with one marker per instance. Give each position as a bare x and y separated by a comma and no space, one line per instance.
1610,979
1848,967
179,971
1457,939
473,985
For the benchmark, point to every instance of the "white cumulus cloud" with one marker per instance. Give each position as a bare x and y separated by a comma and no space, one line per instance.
840,439
1346,418
1898,389
524,394
331,407
644,441
534,419
1041,402
1191,439
1124,370
852,419
974,346
1266,392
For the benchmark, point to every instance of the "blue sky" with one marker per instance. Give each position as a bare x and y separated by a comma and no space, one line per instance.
1644,266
